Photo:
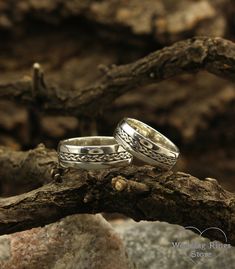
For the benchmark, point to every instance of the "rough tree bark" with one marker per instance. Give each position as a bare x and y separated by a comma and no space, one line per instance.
138,192
215,55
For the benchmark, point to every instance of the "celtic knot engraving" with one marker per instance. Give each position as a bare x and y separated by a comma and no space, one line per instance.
146,148
65,156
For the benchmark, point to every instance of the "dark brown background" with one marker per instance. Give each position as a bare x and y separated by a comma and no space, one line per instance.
73,39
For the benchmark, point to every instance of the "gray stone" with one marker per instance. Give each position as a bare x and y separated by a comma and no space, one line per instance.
149,246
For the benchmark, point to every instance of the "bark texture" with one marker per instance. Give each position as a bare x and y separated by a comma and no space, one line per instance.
212,54
138,192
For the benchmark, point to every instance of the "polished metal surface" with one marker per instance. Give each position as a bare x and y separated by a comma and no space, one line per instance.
93,152
146,143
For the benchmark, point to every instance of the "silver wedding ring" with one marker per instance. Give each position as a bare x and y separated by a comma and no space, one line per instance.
146,144
132,138
94,152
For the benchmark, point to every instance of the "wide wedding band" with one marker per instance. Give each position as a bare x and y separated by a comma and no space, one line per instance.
146,144
93,152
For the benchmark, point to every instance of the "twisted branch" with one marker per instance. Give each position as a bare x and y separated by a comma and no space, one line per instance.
215,55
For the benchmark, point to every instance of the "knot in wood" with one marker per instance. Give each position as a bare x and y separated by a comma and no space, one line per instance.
119,183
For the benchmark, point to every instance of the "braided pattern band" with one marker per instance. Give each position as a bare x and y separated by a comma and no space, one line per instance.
145,147
72,157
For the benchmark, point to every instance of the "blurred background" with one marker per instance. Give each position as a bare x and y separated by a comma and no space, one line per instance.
71,39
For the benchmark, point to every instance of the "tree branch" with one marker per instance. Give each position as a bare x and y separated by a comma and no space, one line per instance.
138,192
215,55
22,171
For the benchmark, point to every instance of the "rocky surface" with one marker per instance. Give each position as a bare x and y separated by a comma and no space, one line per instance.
88,241
76,242
149,245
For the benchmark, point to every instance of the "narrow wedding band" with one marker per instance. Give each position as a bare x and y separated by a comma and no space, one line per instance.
93,152
146,144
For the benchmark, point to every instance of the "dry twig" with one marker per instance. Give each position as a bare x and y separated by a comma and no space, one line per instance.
215,55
